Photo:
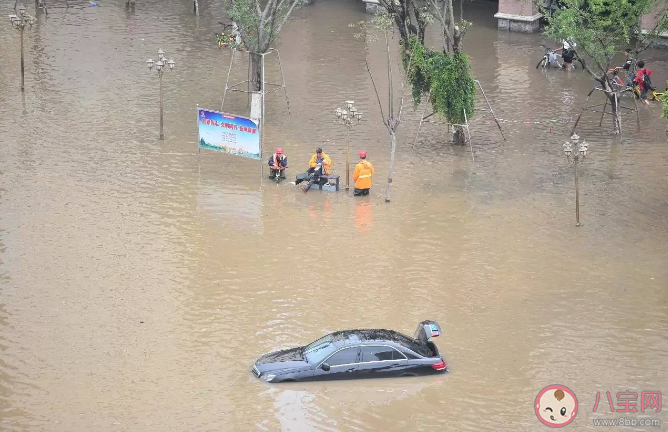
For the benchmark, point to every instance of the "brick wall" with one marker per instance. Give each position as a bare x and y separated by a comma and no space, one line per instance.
518,7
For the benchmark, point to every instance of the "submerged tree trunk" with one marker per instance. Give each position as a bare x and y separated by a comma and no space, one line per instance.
616,114
388,192
256,86
459,136
256,72
614,106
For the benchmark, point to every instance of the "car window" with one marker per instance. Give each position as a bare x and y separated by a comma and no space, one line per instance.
398,355
317,353
346,356
411,355
380,353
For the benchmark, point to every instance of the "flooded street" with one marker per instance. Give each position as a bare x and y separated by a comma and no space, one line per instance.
140,279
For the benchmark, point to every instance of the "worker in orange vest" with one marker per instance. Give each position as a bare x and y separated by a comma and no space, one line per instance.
362,176
278,162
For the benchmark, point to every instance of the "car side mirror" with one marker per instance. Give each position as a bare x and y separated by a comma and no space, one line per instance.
325,367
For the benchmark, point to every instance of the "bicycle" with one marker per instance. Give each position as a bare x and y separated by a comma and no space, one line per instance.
279,176
656,96
652,95
549,58
617,83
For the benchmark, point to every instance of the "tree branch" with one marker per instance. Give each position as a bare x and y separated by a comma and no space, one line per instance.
380,105
652,34
287,15
403,84
267,8
390,96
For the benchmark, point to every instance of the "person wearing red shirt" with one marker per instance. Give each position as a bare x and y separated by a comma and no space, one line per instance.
643,81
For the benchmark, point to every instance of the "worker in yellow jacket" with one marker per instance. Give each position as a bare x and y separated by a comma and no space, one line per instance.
362,176
320,159
319,165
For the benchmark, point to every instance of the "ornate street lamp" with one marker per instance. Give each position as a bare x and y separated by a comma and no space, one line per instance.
19,22
575,151
348,117
160,66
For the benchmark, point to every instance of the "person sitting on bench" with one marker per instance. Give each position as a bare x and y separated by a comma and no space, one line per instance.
319,165
278,162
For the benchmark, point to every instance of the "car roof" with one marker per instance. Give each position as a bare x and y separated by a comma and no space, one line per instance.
370,336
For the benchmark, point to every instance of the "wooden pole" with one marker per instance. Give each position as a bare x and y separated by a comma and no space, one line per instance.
490,110
605,105
285,91
347,157
388,193
468,132
581,112
162,135
229,70
22,62
577,194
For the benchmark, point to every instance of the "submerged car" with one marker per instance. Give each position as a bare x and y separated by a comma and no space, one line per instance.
352,354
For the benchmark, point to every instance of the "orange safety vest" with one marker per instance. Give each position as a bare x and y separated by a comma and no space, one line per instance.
277,162
362,175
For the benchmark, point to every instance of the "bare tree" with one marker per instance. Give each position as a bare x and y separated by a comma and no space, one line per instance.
384,22
410,18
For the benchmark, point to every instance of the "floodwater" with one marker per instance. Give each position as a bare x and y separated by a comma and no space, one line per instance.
140,279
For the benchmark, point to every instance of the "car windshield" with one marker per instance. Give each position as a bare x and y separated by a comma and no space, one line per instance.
316,351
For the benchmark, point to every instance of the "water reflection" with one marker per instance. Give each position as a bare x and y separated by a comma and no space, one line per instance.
235,208
363,215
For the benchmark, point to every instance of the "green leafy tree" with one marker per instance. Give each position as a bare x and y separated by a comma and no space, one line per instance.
600,29
447,81
445,76
658,11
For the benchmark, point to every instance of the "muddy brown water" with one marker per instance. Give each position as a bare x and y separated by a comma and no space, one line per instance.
140,280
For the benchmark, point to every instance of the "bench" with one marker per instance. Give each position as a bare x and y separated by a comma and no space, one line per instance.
327,185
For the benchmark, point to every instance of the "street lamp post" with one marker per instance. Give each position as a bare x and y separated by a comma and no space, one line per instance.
160,67
19,22
347,118
575,151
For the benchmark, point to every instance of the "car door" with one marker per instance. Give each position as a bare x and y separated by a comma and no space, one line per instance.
342,364
380,361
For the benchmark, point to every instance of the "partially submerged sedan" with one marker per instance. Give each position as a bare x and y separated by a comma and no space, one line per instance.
356,354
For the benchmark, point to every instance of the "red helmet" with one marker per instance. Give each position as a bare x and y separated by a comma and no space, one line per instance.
362,154
279,150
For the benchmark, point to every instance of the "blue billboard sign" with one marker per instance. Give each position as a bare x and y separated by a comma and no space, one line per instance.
228,133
